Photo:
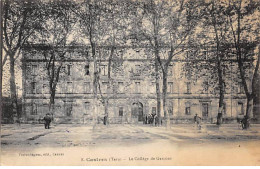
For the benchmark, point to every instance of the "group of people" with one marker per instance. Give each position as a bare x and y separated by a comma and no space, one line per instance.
244,122
152,119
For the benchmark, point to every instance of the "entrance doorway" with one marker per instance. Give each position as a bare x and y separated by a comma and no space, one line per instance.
137,111
68,109
205,109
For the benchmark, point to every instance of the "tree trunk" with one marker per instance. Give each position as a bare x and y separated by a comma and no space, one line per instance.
51,110
52,103
219,68
221,94
95,85
256,107
255,89
1,63
249,110
13,89
256,98
164,91
109,84
158,93
106,121
249,107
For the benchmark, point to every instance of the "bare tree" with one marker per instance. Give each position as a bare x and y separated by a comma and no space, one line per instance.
20,20
170,23
89,13
245,37
114,28
209,51
101,22
58,24
1,63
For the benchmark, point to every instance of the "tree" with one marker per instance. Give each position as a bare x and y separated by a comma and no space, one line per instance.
89,14
208,53
114,29
20,20
256,99
244,26
1,64
102,25
58,24
165,24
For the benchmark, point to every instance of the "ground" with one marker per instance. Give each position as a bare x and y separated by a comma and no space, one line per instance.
125,144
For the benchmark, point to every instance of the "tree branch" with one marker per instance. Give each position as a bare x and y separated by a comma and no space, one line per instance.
256,74
5,59
5,25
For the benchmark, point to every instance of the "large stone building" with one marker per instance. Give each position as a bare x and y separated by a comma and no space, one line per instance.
133,91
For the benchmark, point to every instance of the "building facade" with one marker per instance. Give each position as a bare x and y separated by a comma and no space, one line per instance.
131,90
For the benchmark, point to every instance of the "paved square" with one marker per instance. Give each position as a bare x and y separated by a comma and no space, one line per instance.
145,140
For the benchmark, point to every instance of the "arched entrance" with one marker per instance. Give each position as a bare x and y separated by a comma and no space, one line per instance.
137,111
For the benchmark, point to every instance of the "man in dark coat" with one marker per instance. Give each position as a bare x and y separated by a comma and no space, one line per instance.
245,122
47,121
197,120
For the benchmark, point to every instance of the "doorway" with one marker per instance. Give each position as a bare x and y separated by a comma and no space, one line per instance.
68,109
137,111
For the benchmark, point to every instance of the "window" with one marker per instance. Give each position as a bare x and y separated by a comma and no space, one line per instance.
153,110
187,108
170,87
240,88
205,109
170,72
63,69
68,108
28,69
121,111
120,87
69,87
137,70
170,108
34,69
44,89
104,87
153,88
103,70
205,54
137,87
240,107
69,69
206,87
87,69
87,87
34,109
188,74
188,87
33,87
87,105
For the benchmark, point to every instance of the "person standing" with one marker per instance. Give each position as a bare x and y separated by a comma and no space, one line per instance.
245,123
156,119
197,120
47,121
